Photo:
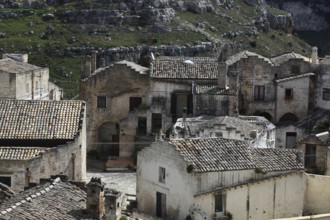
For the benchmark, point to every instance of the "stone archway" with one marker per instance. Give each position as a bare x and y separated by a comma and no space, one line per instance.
109,138
289,117
264,114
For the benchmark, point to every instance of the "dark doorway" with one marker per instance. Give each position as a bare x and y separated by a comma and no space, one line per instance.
5,180
109,138
180,101
156,122
160,205
142,126
310,156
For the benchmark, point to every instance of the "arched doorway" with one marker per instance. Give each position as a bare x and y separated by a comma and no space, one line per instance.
289,117
109,135
264,114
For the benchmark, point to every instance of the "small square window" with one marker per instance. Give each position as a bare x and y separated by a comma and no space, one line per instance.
326,94
259,93
288,93
101,102
162,173
134,102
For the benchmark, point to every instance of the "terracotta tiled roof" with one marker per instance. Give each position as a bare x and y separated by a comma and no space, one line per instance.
295,77
273,159
184,68
218,154
20,153
40,120
277,61
12,66
60,200
243,55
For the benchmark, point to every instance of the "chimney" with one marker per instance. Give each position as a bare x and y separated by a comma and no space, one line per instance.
222,74
233,93
88,66
94,57
115,203
95,198
315,59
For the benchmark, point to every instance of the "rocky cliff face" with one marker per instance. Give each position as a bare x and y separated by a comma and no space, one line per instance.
308,15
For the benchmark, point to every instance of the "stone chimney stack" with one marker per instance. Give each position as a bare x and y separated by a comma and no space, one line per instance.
233,93
85,66
222,74
315,58
95,198
94,58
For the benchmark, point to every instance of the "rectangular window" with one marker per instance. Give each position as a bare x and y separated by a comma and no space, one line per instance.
259,92
310,156
156,122
288,93
219,204
134,102
162,173
101,102
326,94
5,180
291,139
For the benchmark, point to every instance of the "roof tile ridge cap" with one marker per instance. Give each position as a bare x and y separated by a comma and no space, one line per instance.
31,197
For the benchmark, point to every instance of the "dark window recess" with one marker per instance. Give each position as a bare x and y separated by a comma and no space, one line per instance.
142,126
288,93
162,173
156,122
295,69
219,203
134,102
326,94
5,180
259,92
291,139
310,156
101,102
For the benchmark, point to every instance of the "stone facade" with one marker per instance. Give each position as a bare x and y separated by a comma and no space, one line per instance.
20,80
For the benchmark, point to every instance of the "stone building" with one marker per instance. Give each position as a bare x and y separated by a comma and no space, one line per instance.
21,80
128,103
184,177
41,138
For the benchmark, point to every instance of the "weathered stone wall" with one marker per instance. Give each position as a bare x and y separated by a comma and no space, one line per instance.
7,85
322,82
104,82
298,103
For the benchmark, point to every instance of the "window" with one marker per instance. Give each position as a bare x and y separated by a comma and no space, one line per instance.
156,122
310,156
134,102
259,92
101,102
5,180
288,93
142,126
291,139
219,204
162,173
295,69
326,94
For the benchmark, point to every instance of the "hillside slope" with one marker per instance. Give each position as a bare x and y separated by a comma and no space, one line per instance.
56,33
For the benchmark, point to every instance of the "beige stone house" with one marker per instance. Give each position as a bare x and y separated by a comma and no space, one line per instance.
21,80
212,178
40,138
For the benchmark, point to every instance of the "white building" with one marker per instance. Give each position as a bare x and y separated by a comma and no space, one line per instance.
24,81
191,177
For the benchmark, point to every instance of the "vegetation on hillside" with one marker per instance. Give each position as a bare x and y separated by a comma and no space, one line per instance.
31,33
